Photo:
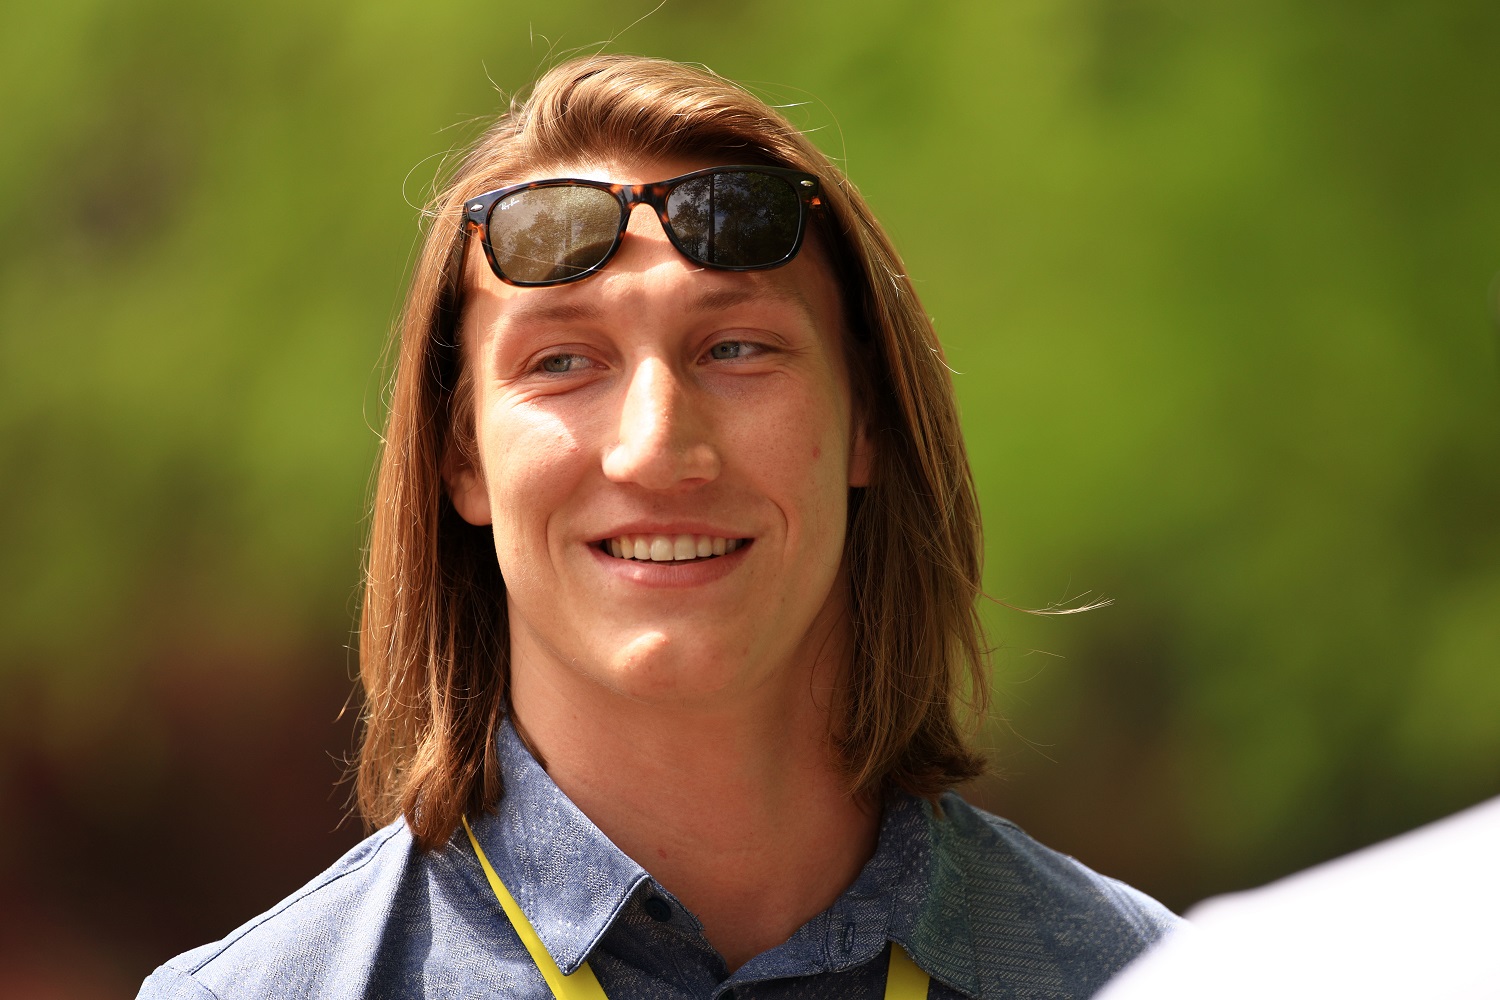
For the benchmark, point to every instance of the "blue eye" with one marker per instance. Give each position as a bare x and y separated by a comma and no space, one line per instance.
561,364
728,350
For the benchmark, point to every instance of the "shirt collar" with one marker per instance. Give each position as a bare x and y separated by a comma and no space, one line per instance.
568,878
572,883
910,892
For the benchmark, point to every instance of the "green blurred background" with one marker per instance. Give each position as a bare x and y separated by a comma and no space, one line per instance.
1219,280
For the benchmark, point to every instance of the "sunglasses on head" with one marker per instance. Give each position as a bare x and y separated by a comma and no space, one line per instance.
549,232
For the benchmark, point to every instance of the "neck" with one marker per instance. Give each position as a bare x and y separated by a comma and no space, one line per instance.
739,810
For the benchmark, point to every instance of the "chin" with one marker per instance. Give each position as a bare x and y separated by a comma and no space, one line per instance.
656,667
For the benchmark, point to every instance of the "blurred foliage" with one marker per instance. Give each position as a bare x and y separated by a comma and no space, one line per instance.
1218,279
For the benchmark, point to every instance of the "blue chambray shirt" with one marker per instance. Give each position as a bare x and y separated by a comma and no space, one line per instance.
985,910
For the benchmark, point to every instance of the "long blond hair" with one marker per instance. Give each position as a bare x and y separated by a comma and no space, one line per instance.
434,647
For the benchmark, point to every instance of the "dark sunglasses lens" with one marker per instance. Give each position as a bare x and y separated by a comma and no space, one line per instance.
553,233
740,219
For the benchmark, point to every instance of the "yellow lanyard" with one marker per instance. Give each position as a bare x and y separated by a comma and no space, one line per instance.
903,979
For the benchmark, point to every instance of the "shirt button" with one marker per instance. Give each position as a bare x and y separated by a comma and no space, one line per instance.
657,909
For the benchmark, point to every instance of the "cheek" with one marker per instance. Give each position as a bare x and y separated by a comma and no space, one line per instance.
800,452
532,460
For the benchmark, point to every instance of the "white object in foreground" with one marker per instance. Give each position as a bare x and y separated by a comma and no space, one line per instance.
1416,916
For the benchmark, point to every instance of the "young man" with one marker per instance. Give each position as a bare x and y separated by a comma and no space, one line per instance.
669,615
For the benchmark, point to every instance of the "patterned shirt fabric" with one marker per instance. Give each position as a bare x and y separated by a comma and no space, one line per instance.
985,910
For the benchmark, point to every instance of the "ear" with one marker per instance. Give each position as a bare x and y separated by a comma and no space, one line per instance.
861,456
466,488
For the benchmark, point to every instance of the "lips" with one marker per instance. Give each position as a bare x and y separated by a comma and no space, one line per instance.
668,548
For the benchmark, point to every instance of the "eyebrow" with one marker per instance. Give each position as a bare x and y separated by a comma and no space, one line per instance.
724,297
549,310
543,309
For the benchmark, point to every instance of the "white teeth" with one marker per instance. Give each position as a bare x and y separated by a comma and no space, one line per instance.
669,548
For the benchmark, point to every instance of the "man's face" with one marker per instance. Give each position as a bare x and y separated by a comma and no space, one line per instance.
659,409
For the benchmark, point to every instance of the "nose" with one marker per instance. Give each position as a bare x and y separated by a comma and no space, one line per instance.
664,439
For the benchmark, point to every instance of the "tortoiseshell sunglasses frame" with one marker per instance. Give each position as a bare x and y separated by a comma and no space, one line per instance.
477,212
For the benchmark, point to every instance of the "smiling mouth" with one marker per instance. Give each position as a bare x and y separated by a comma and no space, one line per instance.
669,548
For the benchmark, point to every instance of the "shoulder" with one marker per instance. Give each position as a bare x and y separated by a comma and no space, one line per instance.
321,940
1034,913
1059,884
